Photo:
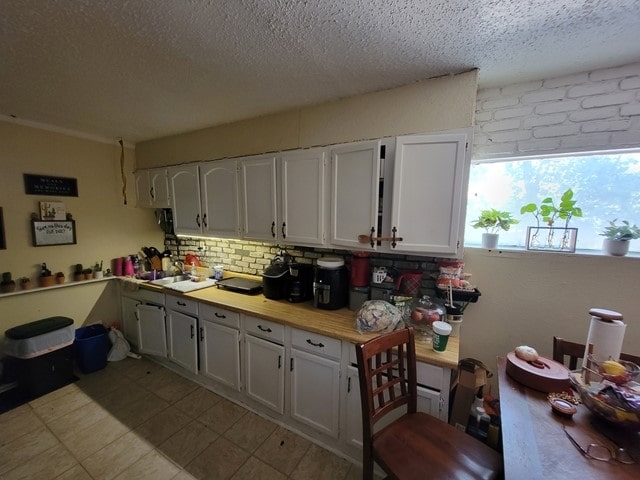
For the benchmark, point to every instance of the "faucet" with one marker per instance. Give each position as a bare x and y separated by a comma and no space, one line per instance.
180,266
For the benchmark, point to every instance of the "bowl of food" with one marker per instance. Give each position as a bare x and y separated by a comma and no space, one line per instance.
615,371
617,404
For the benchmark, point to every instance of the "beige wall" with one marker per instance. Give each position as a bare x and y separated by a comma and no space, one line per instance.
105,227
432,105
528,297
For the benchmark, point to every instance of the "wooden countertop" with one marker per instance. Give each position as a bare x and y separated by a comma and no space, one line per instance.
338,324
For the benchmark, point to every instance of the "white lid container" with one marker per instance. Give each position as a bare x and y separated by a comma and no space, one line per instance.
330,262
441,328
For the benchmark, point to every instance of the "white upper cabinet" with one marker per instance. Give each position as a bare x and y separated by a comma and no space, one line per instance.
302,176
152,188
355,179
259,197
185,188
220,199
429,186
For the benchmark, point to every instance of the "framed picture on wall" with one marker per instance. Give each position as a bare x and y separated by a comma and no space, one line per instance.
3,244
53,233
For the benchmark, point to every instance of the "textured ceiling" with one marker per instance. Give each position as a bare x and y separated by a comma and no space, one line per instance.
143,69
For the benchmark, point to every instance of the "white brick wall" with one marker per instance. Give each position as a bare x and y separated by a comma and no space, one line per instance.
589,111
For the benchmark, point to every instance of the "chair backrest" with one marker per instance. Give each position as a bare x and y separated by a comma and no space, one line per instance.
387,374
575,351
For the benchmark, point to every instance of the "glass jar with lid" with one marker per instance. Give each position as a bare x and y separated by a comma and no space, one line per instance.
425,311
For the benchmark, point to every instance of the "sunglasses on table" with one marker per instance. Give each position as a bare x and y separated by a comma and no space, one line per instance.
602,453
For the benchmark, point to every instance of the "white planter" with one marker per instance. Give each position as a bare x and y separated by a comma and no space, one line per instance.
617,248
490,240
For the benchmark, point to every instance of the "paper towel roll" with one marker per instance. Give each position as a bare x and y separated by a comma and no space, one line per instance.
606,339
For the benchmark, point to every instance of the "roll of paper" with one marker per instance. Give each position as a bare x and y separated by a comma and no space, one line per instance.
605,339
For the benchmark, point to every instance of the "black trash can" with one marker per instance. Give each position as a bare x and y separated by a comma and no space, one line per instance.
92,347
40,355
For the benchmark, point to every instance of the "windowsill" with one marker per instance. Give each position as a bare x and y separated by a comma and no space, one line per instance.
577,253
54,287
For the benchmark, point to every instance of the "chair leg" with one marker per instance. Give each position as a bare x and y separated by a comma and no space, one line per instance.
367,465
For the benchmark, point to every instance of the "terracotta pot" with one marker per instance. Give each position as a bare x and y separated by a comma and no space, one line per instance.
60,279
46,281
8,287
78,276
26,285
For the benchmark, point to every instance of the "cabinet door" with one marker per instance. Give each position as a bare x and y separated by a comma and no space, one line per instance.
220,353
130,321
355,179
265,372
219,193
143,188
185,199
183,345
259,200
152,335
315,391
303,197
353,414
428,192
159,188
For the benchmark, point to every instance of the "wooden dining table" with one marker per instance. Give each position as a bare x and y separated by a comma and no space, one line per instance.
536,447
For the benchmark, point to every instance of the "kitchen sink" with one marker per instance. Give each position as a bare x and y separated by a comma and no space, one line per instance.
163,282
182,283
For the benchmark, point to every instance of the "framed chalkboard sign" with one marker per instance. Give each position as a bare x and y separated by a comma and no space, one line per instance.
53,233
48,185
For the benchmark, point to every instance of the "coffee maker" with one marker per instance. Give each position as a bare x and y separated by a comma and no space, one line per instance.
300,282
330,283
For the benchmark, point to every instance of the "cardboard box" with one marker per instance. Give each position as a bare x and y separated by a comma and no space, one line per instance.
471,376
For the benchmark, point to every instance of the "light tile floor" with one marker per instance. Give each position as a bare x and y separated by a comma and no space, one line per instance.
138,420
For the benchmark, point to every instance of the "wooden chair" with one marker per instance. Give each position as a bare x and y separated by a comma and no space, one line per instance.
575,351
416,445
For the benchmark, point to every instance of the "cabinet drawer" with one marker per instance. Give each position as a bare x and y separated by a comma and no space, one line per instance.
146,296
221,316
264,328
429,375
182,304
316,343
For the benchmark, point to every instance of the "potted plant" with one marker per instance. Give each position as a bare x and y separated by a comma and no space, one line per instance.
97,270
493,221
46,279
60,278
87,273
548,212
25,283
7,285
616,237
77,273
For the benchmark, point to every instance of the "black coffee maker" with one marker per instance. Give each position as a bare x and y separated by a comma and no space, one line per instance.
300,282
330,284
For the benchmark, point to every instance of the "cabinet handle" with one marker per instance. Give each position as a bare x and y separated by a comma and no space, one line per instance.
204,220
279,362
268,330
372,231
151,194
319,344
394,230
220,315
198,220
349,385
291,365
201,334
284,225
191,331
182,304
273,229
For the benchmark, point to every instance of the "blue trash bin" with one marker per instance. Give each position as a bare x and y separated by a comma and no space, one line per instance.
92,346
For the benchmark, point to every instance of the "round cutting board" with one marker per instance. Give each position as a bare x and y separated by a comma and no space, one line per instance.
545,376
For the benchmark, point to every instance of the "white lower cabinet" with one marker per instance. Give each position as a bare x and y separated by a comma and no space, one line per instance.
152,335
264,378
183,343
151,326
220,346
352,431
315,391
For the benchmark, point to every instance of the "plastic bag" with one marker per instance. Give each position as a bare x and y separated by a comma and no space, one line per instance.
377,316
119,346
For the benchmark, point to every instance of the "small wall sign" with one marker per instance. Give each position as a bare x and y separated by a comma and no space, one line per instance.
48,185
53,233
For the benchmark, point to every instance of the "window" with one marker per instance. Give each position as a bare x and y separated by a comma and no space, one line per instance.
606,186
